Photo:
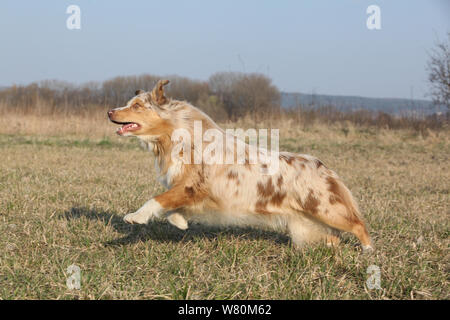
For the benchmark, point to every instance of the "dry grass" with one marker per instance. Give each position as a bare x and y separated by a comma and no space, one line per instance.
65,184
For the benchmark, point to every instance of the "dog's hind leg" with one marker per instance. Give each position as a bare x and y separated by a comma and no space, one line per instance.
340,217
304,230
331,203
333,239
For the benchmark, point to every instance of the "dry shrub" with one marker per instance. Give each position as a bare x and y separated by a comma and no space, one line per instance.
225,96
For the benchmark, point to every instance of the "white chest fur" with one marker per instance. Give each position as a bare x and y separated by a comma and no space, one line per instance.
174,170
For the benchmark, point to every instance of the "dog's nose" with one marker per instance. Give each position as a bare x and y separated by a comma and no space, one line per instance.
110,113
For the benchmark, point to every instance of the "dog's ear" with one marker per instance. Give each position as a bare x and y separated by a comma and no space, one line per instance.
157,93
138,92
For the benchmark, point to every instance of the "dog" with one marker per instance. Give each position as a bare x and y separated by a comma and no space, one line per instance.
303,197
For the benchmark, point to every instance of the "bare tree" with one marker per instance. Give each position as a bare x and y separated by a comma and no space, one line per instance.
254,94
221,85
182,88
439,73
244,94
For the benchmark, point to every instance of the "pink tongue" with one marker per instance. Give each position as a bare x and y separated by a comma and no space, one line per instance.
124,128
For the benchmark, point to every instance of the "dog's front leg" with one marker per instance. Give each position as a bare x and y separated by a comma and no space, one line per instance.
150,209
172,199
177,220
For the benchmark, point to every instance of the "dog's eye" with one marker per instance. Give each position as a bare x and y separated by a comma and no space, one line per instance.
136,106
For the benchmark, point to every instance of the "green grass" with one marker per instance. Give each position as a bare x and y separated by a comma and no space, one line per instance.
62,200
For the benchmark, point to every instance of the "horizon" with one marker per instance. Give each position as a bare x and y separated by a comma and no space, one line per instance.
322,48
168,76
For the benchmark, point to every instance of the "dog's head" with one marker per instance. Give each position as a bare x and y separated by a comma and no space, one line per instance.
141,115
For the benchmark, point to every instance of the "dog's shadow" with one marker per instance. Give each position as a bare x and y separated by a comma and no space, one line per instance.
162,231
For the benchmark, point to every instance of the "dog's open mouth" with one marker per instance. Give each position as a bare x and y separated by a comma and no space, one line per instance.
127,127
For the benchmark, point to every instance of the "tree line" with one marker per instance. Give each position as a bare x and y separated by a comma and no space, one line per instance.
225,95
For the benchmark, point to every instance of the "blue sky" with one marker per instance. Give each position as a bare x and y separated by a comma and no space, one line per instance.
306,46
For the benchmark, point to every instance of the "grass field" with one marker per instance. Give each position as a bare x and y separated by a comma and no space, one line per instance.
65,186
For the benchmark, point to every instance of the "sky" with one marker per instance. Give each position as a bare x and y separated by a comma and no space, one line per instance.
309,46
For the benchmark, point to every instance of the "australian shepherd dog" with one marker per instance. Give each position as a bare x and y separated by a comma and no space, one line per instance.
302,197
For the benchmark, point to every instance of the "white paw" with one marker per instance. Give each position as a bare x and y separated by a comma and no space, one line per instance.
150,209
137,218
178,221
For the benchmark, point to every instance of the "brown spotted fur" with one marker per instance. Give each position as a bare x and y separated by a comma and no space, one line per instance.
304,197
